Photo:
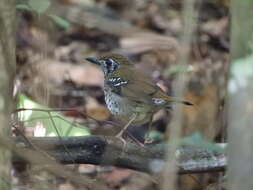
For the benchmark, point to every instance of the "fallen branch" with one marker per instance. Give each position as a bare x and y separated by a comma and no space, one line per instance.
101,150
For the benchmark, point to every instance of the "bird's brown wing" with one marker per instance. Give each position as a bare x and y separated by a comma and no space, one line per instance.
143,89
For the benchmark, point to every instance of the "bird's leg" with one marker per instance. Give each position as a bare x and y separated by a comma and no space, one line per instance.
135,140
119,135
147,139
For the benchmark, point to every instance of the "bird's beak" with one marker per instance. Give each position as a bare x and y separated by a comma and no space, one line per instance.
93,60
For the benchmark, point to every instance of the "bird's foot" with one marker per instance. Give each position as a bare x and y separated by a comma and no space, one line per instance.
120,137
148,140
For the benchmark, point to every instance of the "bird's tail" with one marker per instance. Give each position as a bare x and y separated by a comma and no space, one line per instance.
171,99
176,100
164,99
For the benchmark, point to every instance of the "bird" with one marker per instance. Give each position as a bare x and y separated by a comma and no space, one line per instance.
130,94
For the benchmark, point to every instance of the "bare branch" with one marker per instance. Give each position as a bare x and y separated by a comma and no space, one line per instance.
100,150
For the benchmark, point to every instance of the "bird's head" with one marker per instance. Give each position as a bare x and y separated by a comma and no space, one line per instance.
110,63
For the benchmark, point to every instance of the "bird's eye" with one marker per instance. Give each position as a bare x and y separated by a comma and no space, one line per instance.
109,65
106,62
109,62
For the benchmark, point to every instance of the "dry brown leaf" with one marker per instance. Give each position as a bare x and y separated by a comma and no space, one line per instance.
97,111
57,72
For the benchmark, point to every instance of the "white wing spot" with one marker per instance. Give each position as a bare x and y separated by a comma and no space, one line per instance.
158,101
117,81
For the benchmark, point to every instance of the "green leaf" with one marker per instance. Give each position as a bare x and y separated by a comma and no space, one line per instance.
23,7
241,74
40,6
54,123
156,135
196,139
60,21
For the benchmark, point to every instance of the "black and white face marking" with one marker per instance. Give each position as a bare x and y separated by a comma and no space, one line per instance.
108,65
116,83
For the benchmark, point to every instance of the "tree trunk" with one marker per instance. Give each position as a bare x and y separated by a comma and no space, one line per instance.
240,131
7,71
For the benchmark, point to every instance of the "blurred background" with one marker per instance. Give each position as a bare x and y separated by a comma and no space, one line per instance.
54,37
